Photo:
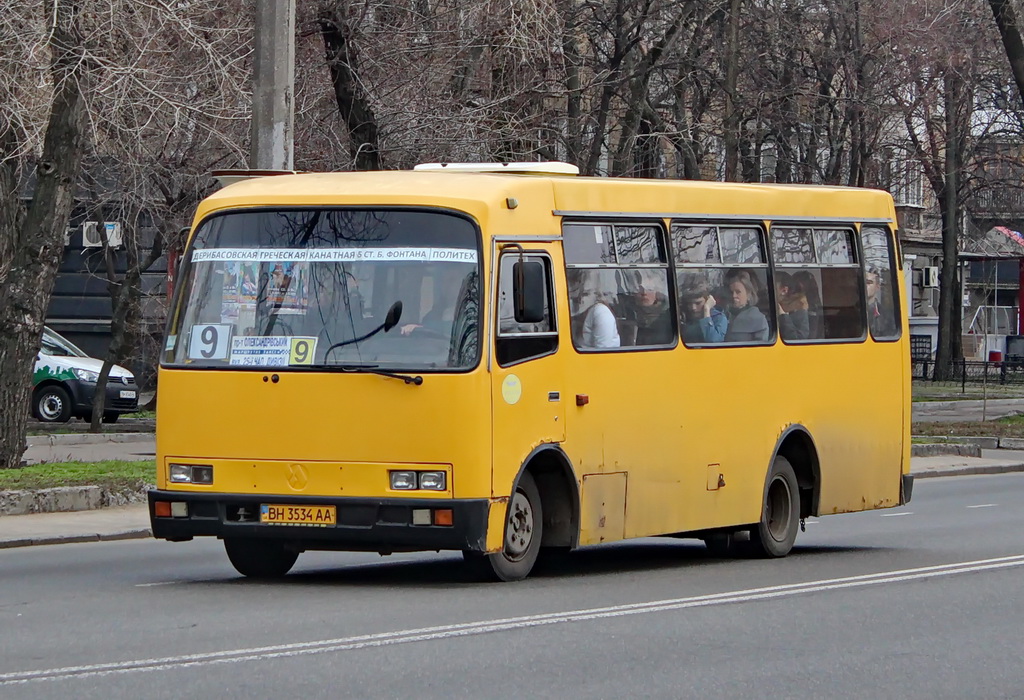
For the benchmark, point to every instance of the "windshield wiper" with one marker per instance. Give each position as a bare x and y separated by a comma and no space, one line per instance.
367,369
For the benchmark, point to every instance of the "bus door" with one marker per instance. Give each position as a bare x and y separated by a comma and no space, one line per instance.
527,395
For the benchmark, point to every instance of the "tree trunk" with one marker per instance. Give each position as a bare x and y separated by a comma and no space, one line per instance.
949,342
1006,20
37,244
731,120
364,140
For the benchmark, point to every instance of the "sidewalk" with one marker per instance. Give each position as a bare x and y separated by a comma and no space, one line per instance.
126,522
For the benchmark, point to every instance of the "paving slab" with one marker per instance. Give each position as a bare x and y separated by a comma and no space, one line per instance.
117,523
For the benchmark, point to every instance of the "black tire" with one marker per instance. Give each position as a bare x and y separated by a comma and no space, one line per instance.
524,529
260,558
780,513
52,404
110,416
721,545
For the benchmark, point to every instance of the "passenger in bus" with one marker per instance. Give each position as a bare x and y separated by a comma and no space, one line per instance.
600,329
438,320
702,322
650,311
808,286
746,322
593,296
880,314
794,321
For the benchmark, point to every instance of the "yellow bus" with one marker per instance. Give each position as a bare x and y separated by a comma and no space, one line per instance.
500,359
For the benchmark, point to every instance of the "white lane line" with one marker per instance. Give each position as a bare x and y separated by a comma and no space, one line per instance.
896,515
500,625
985,505
158,583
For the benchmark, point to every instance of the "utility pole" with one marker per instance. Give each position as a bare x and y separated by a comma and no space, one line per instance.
273,89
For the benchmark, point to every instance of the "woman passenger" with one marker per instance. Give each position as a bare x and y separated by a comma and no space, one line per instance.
746,322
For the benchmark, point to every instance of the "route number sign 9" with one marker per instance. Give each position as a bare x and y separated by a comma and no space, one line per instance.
209,341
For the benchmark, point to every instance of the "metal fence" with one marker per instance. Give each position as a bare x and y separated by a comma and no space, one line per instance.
969,378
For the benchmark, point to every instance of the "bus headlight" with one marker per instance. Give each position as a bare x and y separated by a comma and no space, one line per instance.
432,481
191,474
402,481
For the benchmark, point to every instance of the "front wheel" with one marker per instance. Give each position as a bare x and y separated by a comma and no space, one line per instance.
780,516
52,405
523,532
260,558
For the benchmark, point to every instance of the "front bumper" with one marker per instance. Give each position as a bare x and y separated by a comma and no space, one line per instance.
82,394
364,524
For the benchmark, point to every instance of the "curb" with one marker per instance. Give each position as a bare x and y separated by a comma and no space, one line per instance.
64,499
968,471
85,439
937,449
75,539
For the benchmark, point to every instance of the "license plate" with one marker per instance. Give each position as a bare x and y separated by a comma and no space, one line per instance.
127,394
298,515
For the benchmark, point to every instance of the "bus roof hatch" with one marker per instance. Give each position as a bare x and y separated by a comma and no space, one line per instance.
542,168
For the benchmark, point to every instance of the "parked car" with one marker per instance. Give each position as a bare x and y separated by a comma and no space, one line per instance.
64,383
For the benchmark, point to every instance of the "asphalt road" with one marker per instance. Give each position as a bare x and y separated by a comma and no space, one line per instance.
918,602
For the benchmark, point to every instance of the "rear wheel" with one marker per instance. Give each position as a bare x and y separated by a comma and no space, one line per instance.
523,532
260,558
52,404
780,516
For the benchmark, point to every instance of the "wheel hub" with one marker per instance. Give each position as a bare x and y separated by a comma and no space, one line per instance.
778,507
51,406
519,533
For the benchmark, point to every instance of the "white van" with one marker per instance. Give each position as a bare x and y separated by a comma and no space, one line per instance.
64,383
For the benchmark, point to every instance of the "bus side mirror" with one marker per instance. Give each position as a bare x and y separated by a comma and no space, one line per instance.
528,291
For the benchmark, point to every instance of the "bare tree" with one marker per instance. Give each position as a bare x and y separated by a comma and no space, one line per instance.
32,235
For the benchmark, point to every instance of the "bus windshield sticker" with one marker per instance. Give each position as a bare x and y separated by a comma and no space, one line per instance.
272,351
209,341
293,255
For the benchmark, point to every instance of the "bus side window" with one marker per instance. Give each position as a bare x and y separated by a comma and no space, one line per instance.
516,341
817,274
880,289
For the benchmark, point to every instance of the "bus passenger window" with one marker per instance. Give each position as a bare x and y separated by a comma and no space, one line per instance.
880,290
816,273
722,284
617,276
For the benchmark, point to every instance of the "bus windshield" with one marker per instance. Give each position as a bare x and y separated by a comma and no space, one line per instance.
312,288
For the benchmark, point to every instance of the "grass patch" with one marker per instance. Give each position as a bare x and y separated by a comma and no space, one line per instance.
1009,426
115,475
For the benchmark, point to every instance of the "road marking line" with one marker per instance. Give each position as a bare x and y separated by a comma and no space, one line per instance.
985,505
895,515
503,624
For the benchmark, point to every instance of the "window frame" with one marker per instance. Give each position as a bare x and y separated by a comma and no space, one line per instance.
665,252
766,265
526,254
894,256
858,264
